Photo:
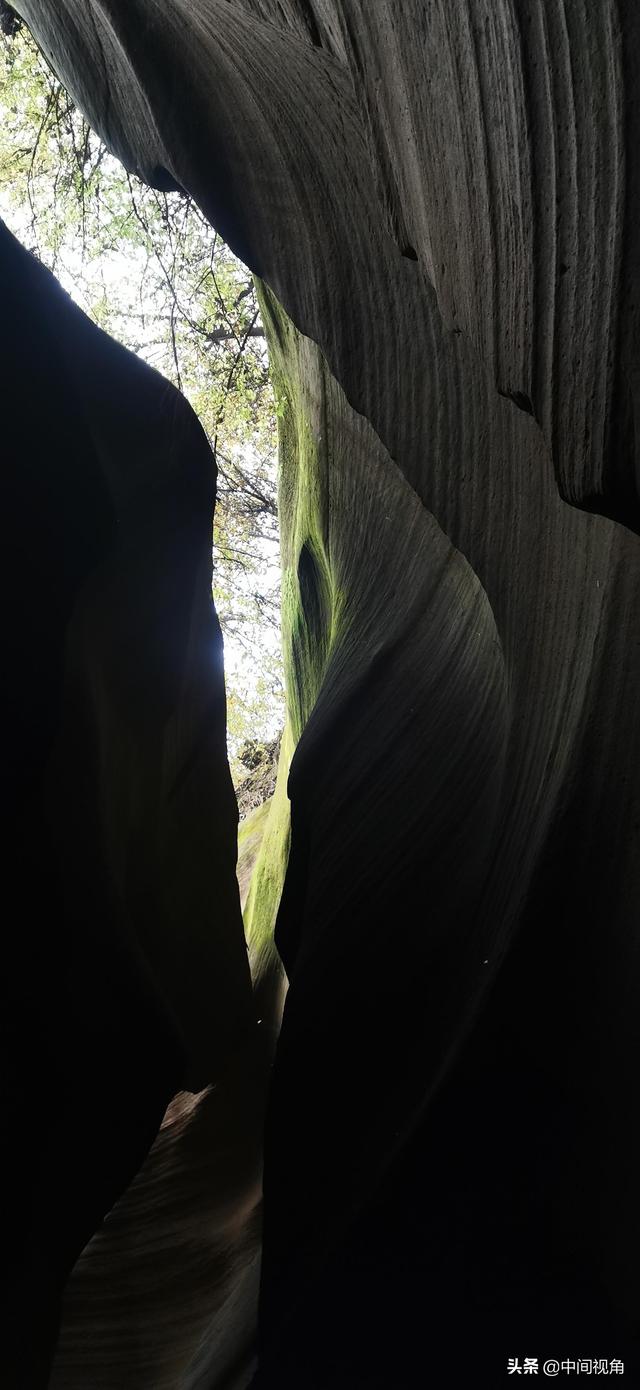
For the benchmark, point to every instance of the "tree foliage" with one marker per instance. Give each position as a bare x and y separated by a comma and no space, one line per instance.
148,268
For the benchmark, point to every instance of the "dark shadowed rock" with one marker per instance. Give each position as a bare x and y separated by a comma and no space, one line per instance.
443,199
119,849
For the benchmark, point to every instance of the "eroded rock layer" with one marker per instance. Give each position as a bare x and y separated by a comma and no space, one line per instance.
496,144
454,1050
442,198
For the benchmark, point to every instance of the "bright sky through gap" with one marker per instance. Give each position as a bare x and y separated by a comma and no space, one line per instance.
128,288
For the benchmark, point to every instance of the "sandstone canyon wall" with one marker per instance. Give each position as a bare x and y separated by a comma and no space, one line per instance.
441,201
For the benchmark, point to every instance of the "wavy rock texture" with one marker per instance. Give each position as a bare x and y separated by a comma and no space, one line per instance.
502,140
447,796
442,198
126,974
166,1293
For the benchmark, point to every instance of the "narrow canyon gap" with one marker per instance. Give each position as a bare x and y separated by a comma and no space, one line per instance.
442,203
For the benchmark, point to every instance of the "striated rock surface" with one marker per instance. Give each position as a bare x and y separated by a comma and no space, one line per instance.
503,137
166,1293
496,145
441,200
453,1048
